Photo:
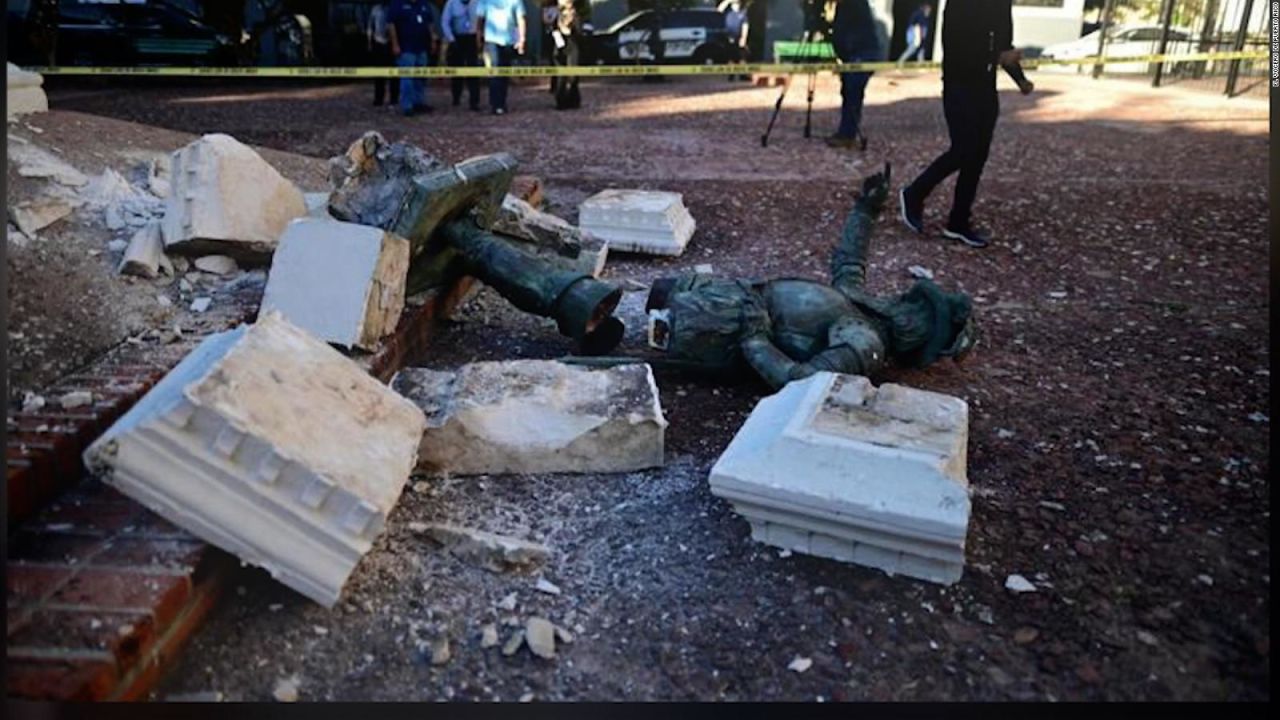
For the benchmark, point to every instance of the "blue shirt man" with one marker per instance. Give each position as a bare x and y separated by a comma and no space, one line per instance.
412,25
504,22
458,19
501,30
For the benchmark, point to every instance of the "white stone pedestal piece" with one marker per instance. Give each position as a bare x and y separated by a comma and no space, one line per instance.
642,221
339,281
271,445
832,466
536,416
225,199
24,92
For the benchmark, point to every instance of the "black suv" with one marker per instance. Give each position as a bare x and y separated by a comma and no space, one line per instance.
689,37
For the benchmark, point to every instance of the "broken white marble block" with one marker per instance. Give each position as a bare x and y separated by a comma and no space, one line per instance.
833,466
342,282
271,445
536,416
32,216
642,221
24,92
225,199
518,219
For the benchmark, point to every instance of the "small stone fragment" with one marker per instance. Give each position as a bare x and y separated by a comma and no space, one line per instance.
547,587
145,253
75,399
539,633
919,271
489,550
440,653
201,304
1019,584
488,635
508,603
286,690
31,402
1147,638
800,664
513,643
216,264
117,245
564,635
32,216
1025,635
550,234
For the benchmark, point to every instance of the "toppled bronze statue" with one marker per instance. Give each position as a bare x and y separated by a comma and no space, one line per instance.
446,213
782,329
790,328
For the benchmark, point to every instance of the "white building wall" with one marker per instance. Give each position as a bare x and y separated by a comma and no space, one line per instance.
1034,27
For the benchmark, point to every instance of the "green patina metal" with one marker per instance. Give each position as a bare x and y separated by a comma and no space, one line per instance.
445,213
790,328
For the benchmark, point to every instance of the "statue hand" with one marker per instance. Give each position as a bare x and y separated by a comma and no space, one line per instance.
875,190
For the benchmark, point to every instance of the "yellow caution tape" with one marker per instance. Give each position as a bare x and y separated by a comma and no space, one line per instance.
602,70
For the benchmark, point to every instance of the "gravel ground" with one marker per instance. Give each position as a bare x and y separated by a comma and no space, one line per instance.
1119,448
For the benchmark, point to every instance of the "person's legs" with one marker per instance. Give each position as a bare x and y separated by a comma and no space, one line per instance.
407,88
498,85
960,126
453,57
423,60
393,84
491,61
470,58
980,112
853,87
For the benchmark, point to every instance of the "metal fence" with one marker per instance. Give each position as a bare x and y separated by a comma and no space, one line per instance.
1138,27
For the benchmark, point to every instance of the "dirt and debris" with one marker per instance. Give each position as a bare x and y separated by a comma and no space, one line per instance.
1128,399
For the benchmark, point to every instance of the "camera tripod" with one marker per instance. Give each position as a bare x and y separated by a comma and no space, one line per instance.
805,54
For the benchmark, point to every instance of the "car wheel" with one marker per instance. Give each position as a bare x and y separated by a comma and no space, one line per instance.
704,56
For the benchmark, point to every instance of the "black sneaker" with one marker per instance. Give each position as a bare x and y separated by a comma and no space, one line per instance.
912,212
967,235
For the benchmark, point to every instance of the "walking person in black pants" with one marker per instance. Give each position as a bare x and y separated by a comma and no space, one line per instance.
565,36
458,25
380,54
977,35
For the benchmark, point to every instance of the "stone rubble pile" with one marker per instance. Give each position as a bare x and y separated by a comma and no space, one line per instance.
273,444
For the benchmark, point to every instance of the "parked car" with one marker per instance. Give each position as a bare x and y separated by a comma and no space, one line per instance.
1124,41
695,36
137,34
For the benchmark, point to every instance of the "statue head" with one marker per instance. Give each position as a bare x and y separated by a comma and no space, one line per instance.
927,323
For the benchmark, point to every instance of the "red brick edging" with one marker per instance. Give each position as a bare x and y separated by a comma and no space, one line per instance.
102,594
